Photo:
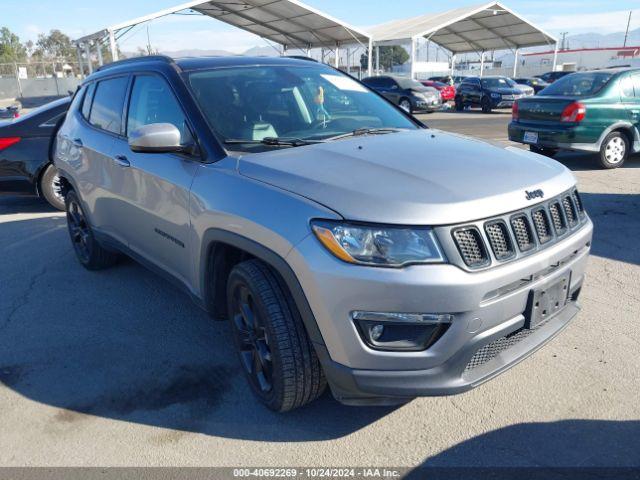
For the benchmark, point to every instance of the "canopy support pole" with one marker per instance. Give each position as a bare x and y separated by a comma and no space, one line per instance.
377,59
337,64
348,60
453,63
412,71
370,58
515,62
555,57
99,50
79,54
113,45
87,51
482,64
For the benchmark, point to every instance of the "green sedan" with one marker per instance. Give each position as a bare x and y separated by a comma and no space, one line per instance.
597,111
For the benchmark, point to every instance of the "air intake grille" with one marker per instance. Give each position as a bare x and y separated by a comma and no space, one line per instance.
570,211
558,220
522,231
493,349
578,201
499,240
471,247
542,225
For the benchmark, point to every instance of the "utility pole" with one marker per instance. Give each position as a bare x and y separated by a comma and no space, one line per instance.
564,37
626,34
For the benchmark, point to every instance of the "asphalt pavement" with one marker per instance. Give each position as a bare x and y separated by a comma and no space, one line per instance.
117,368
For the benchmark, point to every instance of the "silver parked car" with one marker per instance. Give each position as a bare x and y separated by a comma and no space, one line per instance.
346,242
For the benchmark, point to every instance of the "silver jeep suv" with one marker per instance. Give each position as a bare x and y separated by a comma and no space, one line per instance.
347,243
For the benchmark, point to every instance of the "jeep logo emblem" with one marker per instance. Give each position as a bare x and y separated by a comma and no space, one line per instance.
534,194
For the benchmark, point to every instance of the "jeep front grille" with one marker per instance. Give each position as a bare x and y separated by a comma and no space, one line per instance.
500,240
471,246
522,231
542,225
530,229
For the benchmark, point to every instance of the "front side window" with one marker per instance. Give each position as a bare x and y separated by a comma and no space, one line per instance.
309,103
152,101
108,101
578,84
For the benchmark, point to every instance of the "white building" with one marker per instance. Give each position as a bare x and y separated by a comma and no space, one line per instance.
584,58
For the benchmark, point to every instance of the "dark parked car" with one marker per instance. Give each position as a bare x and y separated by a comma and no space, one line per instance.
551,77
588,111
488,93
26,153
410,95
536,83
10,112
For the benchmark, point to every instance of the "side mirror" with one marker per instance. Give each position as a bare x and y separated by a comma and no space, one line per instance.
156,138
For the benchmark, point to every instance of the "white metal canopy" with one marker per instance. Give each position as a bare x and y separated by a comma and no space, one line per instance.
289,23
477,28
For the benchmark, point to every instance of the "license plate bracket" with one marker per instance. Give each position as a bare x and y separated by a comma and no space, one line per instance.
530,137
546,302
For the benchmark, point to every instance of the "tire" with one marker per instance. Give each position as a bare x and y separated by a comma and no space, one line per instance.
459,104
547,152
486,105
275,351
614,150
89,252
51,189
405,104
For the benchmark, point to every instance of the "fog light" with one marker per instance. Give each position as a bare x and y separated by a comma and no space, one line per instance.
376,332
401,331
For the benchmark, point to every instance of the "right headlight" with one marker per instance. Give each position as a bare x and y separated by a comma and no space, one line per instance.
378,245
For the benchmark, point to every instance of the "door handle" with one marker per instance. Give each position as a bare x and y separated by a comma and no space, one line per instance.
122,161
77,142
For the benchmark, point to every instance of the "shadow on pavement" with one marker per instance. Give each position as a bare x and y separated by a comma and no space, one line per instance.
124,344
569,449
580,161
13,204
616,220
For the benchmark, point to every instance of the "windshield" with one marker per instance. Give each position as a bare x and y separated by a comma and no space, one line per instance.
310,103
408,84
578,84
498,83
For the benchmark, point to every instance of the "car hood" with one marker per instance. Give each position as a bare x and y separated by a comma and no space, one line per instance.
506,91
424,177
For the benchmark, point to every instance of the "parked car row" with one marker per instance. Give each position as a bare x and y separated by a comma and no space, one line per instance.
410,95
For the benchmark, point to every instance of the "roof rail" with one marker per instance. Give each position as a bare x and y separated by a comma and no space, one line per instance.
161,58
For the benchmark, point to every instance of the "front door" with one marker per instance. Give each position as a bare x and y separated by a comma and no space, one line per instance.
159,224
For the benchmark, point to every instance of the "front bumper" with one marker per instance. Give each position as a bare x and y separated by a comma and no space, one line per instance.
429,105
360,375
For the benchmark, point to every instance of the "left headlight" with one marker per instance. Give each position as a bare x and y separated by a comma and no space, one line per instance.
378,245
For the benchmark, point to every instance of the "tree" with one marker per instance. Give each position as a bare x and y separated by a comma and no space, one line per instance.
55,46
11,50
389,56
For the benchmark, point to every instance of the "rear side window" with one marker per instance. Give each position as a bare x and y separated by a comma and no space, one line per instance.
88,97
108,101
152,101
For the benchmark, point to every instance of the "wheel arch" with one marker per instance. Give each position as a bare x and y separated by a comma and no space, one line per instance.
221,250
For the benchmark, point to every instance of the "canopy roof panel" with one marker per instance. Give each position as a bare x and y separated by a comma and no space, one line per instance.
489,26
287,22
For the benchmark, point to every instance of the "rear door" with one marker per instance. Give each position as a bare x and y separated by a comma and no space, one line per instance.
156,199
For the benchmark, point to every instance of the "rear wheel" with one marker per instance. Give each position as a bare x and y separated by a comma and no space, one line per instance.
486,105
405,104
89,252
614,150
275,352
51,188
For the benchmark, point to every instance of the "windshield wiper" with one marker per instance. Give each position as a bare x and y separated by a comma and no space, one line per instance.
365,131
273,141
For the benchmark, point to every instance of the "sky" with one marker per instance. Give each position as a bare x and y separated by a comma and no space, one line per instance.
28,18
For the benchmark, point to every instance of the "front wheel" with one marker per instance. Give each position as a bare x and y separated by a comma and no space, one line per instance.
459,104
405,104
486,105
51,188
614,150
275,351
